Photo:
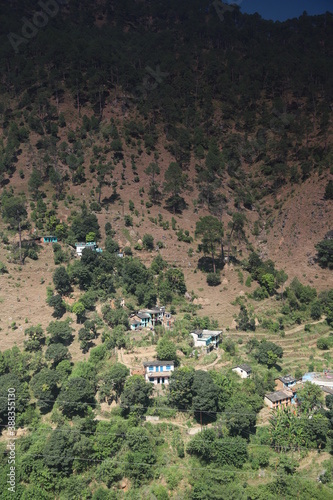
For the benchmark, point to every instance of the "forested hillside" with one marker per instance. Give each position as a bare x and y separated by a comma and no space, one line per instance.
192,144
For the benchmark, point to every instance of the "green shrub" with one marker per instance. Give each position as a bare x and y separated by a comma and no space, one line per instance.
213,279
148,242
3,268
248,281
323,344
260,293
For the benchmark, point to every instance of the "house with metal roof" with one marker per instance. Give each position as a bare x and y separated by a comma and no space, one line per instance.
158,372
92,245
207,339
279,399
284,382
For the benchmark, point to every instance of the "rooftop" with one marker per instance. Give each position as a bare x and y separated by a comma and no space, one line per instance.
143,315
134,320
158,363
278,396
153,310
287,379
246,368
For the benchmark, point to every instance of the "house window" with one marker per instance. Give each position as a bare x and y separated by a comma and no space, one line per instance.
168,368
151,368
161,368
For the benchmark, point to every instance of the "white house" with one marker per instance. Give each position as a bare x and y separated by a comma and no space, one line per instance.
244,371
158,372
92,245
207,339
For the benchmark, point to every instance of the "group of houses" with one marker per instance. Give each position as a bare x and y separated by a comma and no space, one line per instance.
288,386
149,318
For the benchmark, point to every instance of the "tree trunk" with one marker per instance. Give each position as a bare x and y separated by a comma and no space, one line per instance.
229,244
222,252
20,242
214,266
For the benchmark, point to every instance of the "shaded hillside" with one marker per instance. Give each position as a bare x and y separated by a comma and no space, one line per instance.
100,103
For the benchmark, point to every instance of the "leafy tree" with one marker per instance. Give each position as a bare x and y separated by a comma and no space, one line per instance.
141,456
15,214
310,397
12,381
213,279
75,396
240,418
136,394
158,264
79,309
244,322
57,303
329,190
84,223
35,182
230,451
58,451
175,278
60,332
87,334
36,338
268,353
236,226
166,350
111,245
57,353
325,253
62,281
115,317
148,242
114,381
210,229
44,387
205,395
202,444
268,281
152,171
316,310
175,184
180,388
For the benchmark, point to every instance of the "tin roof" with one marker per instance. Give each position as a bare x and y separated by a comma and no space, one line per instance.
246,368
158,363
287,379
278,396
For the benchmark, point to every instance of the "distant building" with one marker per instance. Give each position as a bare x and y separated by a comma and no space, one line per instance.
50,239
324,379
92,245
158,372
148,318
284,382
207,339
279,399
243,370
